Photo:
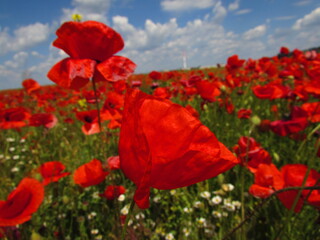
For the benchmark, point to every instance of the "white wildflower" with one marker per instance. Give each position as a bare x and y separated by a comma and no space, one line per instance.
227,187
216,214
169,236
205,195
121,198
15,169
125,210
216,200
10,140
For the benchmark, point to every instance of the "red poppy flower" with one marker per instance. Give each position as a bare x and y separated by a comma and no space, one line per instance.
284,50
244,113
14,117
233,63
21,202
251,154
293,175
267,179
52,172
270,91
90,174
47,120
155,75
113,162
297,122
113,192
90,119
91,46
163,146
208,90
162,92
313,110
30,85
114,101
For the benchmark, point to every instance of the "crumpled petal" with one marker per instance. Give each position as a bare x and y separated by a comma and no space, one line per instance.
72,73
115,68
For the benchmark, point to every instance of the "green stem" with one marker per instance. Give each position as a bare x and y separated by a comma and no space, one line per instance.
307,139
258,208
124,232
242,180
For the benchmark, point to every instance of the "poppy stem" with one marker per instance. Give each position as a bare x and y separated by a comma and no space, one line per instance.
242,179
97,103
307,139
124,232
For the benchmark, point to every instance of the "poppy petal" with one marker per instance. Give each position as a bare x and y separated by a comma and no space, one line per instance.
115,69
72,73
163,146
89,39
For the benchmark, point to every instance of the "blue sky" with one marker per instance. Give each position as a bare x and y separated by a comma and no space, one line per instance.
156,32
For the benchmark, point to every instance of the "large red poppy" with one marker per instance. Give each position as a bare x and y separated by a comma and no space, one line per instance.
91,46
163,146
21,202
90,174
52,172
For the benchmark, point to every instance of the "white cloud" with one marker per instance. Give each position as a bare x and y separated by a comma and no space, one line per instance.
311,19
23,37
89,10
160,46
183,5
256,32
234,6
302,3
243,11
19,67
219,12
18,60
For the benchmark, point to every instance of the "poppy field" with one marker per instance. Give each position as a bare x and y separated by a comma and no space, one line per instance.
228,152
